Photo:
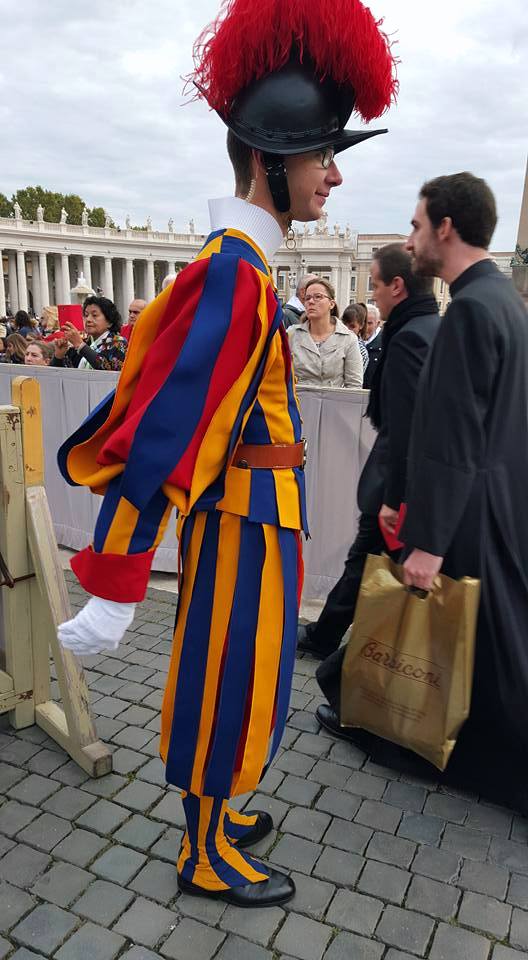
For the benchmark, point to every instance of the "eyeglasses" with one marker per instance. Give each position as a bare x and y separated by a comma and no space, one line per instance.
316,297
327,157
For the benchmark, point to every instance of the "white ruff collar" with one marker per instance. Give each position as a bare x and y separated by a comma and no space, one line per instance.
259,225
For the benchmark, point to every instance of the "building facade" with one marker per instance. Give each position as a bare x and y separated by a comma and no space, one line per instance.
41,261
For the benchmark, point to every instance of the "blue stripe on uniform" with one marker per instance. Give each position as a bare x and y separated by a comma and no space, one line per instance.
193,660
170,421
243,250
89,426
106,514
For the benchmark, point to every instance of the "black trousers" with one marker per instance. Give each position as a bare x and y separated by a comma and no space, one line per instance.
339,609
340,606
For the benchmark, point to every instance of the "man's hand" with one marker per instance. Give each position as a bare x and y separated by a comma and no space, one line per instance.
388,518
420,569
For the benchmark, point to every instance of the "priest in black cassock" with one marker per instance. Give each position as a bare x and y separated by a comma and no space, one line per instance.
467,478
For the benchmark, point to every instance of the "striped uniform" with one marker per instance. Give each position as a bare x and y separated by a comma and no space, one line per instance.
208,366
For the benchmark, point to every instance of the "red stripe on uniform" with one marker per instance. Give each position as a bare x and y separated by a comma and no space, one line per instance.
160,358
241,338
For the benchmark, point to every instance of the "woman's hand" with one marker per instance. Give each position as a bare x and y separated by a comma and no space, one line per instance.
73,335
61,346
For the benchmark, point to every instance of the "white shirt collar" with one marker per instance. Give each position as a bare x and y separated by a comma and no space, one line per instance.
374,335
295,302
259,225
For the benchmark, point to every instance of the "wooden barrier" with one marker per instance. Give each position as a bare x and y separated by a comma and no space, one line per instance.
33,597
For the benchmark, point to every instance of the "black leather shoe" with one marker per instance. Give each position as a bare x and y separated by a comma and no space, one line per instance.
330,721
305,644
263,826
278,888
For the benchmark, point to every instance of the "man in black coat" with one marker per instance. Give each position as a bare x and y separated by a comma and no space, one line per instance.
411,314
373,344
468,471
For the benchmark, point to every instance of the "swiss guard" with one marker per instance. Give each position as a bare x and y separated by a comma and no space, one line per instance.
205,419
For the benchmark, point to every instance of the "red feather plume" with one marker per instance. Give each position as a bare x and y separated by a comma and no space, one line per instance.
251,38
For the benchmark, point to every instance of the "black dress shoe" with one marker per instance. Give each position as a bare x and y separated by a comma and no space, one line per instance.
330,721
263,826
278,888
305,643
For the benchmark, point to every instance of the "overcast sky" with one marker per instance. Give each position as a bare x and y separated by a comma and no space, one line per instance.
91,103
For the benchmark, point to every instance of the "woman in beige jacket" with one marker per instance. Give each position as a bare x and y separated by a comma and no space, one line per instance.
325,353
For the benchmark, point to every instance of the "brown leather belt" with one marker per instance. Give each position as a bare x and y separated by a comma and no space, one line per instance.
270,456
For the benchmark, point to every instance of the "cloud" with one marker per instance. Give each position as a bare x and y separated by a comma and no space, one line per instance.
91,100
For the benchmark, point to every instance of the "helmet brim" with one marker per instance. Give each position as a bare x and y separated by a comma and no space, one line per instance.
290,146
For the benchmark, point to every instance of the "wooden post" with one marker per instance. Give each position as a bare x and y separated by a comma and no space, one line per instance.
16,680
72,725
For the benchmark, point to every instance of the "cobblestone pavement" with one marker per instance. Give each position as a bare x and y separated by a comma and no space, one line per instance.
387,865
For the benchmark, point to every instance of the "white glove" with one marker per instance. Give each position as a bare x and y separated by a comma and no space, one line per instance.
97,628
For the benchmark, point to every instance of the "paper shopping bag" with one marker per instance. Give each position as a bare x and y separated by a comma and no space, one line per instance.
408,668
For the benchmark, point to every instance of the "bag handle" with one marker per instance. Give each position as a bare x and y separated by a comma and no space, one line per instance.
418,592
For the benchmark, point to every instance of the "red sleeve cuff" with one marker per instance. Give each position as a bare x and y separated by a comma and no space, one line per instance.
113,576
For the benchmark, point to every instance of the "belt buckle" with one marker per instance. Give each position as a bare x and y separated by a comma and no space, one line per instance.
304,442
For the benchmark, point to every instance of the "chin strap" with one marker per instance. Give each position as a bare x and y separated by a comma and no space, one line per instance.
278,181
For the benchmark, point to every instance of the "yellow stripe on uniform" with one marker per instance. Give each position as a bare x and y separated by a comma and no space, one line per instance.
122,528
268,645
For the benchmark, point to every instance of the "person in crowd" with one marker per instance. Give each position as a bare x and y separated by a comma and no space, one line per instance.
102,349
355,319
49,322
325,353
166,282
410,311
4,327
205,418
22,324
3,345
372,343
39,354
15,348
134,311
468,472
294,310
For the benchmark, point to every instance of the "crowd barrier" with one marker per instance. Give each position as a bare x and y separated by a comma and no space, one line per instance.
339,439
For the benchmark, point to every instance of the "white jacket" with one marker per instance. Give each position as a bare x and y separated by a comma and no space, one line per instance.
336,362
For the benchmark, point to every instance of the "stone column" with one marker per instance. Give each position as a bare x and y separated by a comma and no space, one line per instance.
171,266
65,279
44,282
87,270
22,281
129,282
151,288
108,284
13,288
35,285
2,287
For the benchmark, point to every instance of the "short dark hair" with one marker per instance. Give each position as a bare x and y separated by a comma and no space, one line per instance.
468,201
22,319
394,261
240,156
108,308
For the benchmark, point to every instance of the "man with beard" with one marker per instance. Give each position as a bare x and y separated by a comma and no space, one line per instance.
407,305
468,471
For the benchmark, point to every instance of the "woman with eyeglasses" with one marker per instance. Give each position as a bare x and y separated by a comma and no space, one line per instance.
325,353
